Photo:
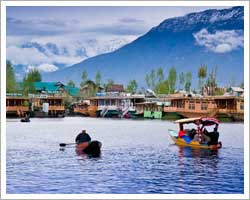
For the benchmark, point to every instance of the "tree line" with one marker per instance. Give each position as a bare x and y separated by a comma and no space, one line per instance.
156,80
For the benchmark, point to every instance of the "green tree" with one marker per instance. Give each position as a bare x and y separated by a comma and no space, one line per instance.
162,88
98,77
188,78
152,78
147,78
10,79
202,74
28,81
71,83
108,84
160,75
132,86
172,77
84,78
211,81
181,80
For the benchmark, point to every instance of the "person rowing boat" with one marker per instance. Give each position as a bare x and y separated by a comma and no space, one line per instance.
82,137
85,145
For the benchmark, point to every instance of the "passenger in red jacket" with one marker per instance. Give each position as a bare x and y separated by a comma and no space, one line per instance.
181,133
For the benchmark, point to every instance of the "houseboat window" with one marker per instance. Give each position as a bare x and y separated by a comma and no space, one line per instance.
113,102
101,102
191,105
180,104
204,106
242,106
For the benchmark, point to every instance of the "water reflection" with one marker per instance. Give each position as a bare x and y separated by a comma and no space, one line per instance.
195,152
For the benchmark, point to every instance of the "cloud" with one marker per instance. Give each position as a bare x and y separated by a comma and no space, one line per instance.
130,20
53,26
25,56
31,56
220,41
40,26
43,68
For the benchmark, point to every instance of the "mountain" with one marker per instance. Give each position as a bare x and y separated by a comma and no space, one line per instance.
59,54
78,48
212,37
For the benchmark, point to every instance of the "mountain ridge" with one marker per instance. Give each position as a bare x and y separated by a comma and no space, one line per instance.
163,46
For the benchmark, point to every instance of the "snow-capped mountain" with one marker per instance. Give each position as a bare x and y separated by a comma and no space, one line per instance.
49,56
84,49
212,37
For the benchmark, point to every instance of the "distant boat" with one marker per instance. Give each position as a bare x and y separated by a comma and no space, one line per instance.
25,119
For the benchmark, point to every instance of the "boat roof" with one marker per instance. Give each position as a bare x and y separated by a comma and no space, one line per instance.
206,121
187,120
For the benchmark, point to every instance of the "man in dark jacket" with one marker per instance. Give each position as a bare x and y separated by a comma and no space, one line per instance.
82,137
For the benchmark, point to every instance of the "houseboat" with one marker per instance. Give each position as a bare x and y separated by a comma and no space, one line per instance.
17,106
150,109
47,106
230,107
113,106
81,108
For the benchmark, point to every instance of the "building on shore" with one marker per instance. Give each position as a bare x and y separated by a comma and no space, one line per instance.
114,106
81,108
90,89
16,105
56,88
210,106
47,106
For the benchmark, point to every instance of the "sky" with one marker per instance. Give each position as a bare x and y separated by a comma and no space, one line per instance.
88,30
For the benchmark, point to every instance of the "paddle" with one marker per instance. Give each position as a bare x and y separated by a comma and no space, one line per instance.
64,144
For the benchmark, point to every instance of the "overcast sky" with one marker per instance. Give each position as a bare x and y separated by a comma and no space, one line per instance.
51,21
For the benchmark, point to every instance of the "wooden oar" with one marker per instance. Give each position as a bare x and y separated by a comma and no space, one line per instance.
64,144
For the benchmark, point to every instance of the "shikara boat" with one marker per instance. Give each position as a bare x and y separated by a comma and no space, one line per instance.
92,148
190,138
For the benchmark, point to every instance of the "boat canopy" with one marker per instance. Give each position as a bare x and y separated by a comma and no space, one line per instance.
209,121
205,121
187,120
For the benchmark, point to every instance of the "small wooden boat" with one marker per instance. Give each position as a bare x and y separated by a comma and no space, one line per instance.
203,122
25,120
194,144
92,148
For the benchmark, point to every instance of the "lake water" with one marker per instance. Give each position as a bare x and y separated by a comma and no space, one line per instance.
137,157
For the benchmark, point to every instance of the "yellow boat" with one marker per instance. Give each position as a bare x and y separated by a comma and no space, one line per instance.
201,123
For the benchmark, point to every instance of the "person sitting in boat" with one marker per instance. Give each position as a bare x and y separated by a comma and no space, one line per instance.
82,137
214,136
182,134
206,136
192,133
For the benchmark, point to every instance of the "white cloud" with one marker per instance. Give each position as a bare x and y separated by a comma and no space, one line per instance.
26,56
31,56
220,41
42,68
47,68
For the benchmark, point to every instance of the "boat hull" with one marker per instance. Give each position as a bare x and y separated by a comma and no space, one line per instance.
25,120
92,148
194,144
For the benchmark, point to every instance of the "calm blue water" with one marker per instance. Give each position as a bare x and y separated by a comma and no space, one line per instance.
137,157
